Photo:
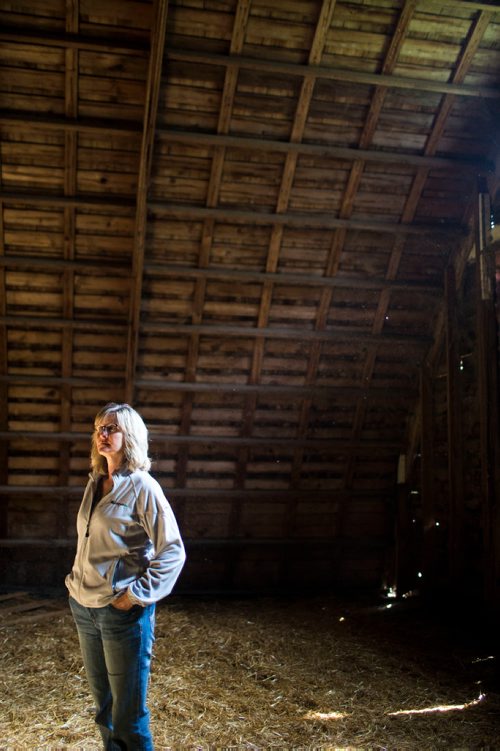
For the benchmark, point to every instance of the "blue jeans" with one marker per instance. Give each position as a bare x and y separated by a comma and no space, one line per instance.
116,649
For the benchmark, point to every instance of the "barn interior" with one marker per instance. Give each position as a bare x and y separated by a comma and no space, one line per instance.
270,226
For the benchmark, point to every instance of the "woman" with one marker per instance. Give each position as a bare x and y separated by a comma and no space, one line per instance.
128,557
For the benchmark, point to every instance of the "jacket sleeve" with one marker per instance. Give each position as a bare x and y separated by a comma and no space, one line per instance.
168,556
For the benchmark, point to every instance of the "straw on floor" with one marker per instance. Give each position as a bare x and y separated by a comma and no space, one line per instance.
316,673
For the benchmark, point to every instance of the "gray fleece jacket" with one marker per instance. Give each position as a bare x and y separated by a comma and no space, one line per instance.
130,541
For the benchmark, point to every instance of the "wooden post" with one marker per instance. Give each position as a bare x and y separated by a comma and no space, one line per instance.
404,563
455,436
427,480
487,351
4,406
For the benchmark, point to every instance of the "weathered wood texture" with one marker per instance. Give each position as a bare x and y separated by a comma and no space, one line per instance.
238,215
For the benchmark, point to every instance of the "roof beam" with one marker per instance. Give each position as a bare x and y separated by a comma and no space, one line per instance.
324,150
235,216
28,121
344,75
332,392
158,33
243,275
75,41
471,5
332,334
303,220
60,201
328,444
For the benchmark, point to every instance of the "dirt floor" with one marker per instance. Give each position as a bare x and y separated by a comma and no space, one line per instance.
315,673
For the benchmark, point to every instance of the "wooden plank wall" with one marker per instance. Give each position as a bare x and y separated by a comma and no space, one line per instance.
448,517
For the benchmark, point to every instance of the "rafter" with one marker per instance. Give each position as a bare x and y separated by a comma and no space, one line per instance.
158,31
70,189
274,248
418,426
213,189
4,402
347,205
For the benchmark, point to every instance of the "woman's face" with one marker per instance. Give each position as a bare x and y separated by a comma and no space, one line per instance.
109,438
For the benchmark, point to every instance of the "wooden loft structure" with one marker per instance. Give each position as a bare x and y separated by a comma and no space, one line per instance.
266,224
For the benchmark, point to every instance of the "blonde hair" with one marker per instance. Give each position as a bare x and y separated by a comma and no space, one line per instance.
135,438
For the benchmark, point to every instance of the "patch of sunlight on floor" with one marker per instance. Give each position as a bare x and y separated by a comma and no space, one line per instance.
442,708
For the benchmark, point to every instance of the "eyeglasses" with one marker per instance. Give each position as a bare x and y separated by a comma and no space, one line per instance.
109,429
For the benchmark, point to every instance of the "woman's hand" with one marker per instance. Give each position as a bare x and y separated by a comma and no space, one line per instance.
123,602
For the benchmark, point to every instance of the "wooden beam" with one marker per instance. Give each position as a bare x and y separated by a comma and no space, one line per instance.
31,121
334,392
346,210
488,354
429,547
25,121
258,493
72,41
467,5
465,163
4,400
67,264
235,216
455,438
331,445
334,74
158,33
333,333
56,200
304,220
345,543
58,381
274,247
76,324
282,278
71,87
212,199
476,33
